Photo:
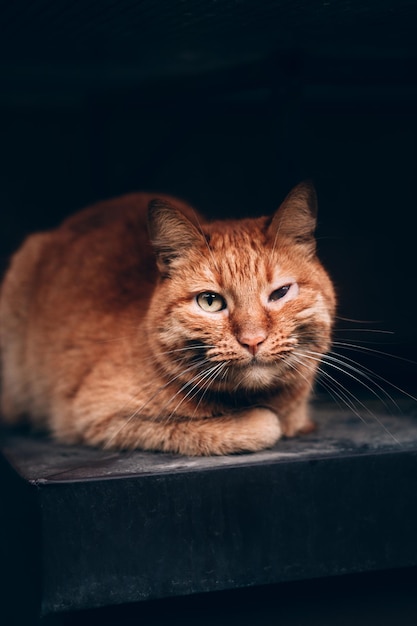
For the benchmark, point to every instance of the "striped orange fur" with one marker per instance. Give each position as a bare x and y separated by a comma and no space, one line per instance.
138,324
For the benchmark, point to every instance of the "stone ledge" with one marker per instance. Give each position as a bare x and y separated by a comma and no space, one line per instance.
95,528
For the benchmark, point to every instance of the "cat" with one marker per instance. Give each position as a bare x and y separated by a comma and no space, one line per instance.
138,324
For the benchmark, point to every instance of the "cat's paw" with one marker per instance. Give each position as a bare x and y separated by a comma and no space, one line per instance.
247,431
298,422
259,428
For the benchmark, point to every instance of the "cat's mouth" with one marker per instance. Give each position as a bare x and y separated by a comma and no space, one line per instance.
259,376
255,375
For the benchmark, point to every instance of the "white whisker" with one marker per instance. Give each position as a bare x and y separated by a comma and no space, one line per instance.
357,348
224,371
206,378
345,368
367,371
152,397
364,330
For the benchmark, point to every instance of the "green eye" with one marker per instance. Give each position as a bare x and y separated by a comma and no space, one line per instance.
211,302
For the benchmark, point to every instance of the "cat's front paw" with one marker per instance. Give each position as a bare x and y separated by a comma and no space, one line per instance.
246,431
298,422
259,428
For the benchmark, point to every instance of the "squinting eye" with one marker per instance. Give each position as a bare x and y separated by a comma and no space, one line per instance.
279,293
211,302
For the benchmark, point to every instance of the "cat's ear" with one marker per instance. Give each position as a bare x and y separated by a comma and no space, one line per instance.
171,233
296,217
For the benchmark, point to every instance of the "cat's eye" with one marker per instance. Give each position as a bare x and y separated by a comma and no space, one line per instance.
277,294
210,302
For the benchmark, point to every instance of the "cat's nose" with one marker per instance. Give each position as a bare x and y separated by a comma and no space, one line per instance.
252,343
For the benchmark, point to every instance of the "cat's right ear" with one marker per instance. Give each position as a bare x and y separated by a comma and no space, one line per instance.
296,217
171,234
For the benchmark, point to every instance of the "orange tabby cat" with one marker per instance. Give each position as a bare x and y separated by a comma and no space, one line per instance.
137,327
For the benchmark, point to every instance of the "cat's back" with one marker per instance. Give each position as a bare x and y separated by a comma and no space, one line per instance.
101,252
74,254
79,280
98,260
125,210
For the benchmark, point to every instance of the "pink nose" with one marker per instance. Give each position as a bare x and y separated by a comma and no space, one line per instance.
252,343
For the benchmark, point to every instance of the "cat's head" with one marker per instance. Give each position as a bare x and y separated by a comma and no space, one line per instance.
240,304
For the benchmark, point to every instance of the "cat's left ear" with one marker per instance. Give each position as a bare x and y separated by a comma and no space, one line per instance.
296,218
171,234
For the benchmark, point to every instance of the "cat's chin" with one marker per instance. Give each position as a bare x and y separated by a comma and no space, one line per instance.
256,377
